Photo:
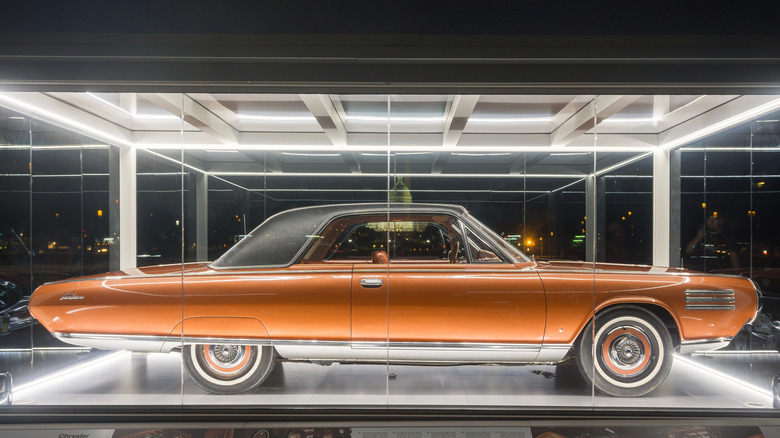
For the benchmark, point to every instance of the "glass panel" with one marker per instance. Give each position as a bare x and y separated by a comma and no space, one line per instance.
268,320
159,208
759,342
56,237
99,231
16,333
633,332
717,227
628,235
449,318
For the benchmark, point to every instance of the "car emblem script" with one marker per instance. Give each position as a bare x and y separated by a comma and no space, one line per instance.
71,296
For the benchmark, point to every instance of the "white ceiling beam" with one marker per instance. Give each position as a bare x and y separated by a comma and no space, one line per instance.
61,114
330,120
374,142
542,140
571,108
457,116
660,106
195,114
326,115
460,110
215,106
739,110
590,115
129,102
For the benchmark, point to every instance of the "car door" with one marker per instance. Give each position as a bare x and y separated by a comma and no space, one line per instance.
434,300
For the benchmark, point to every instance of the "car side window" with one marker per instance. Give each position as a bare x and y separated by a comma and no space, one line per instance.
405,238
357,243
479,250
419,241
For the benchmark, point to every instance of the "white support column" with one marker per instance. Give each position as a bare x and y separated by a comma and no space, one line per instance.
661,207
127,207
201,216
595,214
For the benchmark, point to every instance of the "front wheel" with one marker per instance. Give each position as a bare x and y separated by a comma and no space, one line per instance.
228,368
633,351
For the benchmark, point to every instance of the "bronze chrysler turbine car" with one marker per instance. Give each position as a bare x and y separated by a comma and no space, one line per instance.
415,283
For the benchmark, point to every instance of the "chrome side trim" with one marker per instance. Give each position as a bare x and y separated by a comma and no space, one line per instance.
336,350
710,307
447,346
687,347
178,275
542,271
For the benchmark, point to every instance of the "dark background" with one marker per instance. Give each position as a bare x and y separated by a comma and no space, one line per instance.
435,17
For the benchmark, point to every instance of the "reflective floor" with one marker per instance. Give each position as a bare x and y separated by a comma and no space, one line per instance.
522,429
124,378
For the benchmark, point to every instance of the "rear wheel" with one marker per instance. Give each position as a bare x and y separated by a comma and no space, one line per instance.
228,368
633,352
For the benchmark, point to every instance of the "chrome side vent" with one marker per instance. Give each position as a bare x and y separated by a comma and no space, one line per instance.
708,307
694,292
709,299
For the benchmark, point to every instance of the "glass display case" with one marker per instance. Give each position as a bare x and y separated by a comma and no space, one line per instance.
390,251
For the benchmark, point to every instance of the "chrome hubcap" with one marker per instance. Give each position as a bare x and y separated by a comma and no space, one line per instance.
626,351
226,355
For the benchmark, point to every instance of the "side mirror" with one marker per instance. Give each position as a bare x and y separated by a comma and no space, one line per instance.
6,388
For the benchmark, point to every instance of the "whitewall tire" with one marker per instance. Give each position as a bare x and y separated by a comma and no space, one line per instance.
633,352
228,368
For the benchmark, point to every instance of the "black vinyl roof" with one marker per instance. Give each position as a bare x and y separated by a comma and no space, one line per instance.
278,240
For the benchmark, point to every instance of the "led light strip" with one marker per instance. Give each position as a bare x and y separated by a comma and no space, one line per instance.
67,371
34,349
631,120
510,119
715,127
266,118
69,124
724,375
385,119
383,150
384,175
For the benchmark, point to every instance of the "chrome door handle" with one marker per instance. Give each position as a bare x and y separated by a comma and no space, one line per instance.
371,282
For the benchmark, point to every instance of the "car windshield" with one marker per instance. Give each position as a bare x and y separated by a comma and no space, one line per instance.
510,250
